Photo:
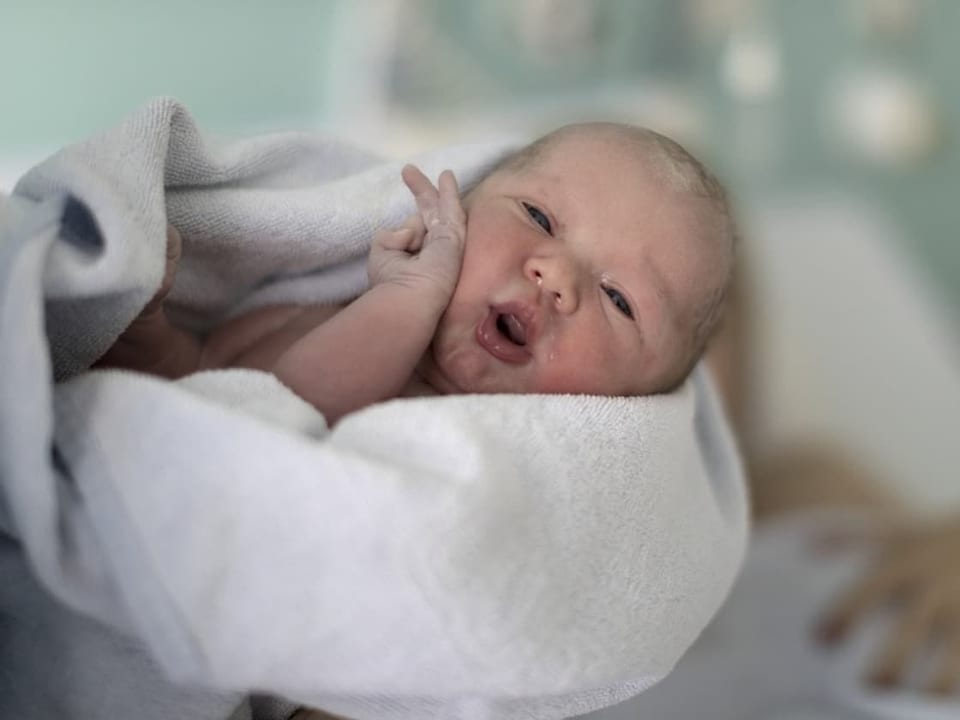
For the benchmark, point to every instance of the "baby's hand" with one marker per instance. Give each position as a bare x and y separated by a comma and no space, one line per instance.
426,253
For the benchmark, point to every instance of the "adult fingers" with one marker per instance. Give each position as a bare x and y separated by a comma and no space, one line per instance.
914,629
872,590
946,678
836,540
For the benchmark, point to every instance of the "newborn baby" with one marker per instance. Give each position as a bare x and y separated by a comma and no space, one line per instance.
594,261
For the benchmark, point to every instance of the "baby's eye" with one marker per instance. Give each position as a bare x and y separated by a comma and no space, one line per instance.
539,217
619,301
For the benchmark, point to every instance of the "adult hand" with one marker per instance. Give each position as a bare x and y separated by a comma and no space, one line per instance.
917,571
428,250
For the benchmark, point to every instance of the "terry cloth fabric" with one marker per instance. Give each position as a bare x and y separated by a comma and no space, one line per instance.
448,557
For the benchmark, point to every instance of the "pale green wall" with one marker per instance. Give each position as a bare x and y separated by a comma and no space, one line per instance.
820,39
72,68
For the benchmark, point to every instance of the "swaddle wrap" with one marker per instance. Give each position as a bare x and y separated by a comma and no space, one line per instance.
449,557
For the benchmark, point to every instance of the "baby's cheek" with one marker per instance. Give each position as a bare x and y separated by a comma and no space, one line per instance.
577,368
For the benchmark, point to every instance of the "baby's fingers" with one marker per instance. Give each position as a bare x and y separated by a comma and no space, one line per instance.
451,210
414,223
449,226
425,194
399,239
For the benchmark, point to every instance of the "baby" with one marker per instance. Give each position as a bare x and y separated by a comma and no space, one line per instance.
594,261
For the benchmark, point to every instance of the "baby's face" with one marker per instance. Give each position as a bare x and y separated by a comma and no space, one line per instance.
579,276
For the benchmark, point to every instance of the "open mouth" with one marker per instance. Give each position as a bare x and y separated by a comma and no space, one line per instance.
510,326
504,333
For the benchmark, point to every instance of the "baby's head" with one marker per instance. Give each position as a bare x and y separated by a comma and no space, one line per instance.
596,261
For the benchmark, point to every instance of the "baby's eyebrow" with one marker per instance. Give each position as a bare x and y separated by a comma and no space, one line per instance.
661,288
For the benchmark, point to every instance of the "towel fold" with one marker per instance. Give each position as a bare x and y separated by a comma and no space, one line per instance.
449,557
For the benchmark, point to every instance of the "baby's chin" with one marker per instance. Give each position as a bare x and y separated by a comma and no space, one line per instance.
468,373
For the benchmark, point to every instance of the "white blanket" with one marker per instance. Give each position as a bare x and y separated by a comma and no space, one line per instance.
451,557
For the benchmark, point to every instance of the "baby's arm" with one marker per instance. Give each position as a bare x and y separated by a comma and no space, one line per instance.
368,351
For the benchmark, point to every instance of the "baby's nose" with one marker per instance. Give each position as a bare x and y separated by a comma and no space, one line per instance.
556,277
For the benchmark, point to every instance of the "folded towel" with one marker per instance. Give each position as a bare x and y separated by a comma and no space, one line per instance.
448,557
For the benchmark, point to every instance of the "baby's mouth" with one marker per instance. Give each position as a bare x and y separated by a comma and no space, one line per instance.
510,326
504,333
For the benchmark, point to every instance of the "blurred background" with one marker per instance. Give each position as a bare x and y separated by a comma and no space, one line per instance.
834,123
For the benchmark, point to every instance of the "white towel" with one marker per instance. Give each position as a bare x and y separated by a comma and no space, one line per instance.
449,557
